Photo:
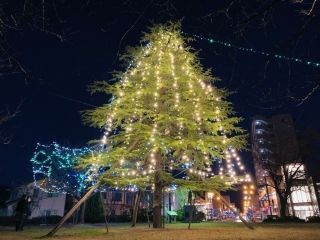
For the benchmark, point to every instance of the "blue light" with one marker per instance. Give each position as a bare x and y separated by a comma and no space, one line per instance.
254,51
54,169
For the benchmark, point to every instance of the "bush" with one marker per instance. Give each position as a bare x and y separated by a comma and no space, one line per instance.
288,219
200,216
7,220
94,209
142,215
313,219
44,220
180,216
10,220
190,209
124,217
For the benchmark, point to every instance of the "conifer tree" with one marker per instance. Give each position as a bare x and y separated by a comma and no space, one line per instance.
166,121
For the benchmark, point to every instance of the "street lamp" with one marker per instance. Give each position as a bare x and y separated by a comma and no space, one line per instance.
248,191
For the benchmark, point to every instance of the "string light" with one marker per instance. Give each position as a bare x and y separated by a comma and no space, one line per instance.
229,166
54,170
152,99
248,190
254,51
130,71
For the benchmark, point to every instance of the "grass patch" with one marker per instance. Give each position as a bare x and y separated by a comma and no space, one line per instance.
178,231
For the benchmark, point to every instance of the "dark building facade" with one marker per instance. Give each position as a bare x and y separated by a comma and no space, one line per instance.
274,140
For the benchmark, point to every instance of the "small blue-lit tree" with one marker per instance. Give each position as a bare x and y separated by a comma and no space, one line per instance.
54,169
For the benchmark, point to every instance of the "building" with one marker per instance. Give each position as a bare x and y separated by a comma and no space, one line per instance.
118,202
316,184
5,192
274,142
122,202
42,205
216,209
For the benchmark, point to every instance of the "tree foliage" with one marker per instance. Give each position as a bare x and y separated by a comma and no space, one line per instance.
165,110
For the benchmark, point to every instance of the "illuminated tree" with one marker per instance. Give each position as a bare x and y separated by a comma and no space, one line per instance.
166,121
54,169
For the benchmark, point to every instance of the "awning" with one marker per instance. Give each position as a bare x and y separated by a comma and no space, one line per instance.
172,213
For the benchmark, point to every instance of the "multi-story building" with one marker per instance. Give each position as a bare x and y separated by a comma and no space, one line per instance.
274,142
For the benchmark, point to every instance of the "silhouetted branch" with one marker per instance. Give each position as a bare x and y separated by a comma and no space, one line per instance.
7,115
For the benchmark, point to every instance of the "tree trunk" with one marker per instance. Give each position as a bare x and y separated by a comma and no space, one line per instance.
135,209
292,206
146,197
104,211
157,195
72,210
283,206
157,205
190,209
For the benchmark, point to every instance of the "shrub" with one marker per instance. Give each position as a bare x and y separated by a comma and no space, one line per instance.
94,209
200,216
7,220
276,219
124,217
313,219
10,220
142,215
180,216
44,220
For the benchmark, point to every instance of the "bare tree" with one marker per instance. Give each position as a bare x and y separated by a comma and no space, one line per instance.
285,170
283,177
6,115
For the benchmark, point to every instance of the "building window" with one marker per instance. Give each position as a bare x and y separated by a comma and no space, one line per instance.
129,198
116,196
303,211
50,195
296,169
300,194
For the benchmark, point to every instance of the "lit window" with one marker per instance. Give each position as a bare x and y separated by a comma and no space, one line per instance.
300,194
296,170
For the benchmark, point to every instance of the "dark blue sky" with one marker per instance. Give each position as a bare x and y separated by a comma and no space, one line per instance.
54,90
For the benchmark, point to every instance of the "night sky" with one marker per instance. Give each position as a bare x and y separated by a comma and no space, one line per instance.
56,53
